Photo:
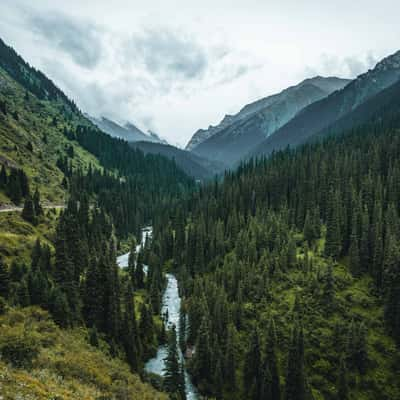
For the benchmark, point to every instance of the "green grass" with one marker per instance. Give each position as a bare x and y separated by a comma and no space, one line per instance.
33,125
17,237
65,366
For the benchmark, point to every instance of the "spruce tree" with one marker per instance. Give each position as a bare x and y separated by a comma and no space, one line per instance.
28,212
342,386
333,238
202,358
36,203
130,333
271,386
295,375
173,379
4,279
252,375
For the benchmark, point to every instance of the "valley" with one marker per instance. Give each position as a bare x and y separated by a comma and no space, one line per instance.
261,262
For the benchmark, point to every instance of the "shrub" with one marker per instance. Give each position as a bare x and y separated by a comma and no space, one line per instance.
18,348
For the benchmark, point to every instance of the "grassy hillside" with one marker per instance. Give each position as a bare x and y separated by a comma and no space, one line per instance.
17,237
31,137
41,362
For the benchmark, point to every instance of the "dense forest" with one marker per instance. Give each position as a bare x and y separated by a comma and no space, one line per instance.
288,267
290,272
110,191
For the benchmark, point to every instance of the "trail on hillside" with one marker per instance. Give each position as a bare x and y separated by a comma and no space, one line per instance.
4,209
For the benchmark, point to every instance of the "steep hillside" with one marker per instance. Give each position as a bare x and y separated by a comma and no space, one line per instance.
236,135
32,137
290,273
322,114
42,362
192,164
381,107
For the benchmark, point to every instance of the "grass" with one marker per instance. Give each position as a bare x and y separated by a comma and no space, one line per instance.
17,237
34,124
65,365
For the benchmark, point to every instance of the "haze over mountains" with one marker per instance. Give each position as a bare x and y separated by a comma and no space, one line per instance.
129,131
237,134
320,115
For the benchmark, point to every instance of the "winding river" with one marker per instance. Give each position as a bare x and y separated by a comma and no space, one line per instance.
171,305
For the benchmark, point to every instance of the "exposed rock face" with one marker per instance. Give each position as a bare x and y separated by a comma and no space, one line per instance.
129,131
324,113
236,135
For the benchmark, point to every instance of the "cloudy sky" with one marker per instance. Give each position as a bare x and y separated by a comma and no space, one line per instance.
175,66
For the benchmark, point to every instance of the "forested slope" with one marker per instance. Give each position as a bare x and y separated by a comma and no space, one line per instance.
64,261
290,271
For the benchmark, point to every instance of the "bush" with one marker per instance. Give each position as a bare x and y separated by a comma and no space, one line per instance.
17,348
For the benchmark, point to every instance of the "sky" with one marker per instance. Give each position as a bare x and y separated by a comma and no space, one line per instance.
175,66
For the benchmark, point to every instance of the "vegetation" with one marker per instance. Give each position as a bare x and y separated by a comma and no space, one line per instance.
305,242
65,263
56,363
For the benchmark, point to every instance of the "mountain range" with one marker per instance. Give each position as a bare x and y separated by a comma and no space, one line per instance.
128,131
321,116
237,134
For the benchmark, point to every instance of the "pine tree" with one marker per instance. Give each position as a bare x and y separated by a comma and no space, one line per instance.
4,279
28,212
333,241
3,177
252,375
36,203
271,386
36,254
130,333
23,294
354,252
202,358
93,337
342,386
295,376
230,361
132,262
139,273
173,379
59,308
329,287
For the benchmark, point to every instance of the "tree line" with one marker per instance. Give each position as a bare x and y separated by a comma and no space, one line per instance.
277,224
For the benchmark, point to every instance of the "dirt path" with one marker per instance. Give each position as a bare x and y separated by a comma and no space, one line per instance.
4,209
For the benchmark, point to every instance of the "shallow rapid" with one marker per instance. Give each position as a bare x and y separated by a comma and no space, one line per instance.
171,305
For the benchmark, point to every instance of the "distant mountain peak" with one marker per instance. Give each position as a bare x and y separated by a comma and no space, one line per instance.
129,131
389,62
237,133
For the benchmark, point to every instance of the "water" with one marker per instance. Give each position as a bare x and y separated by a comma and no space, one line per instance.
171,305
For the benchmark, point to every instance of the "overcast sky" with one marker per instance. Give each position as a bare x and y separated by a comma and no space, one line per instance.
177,66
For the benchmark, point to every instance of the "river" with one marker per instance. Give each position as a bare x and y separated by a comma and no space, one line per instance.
171,304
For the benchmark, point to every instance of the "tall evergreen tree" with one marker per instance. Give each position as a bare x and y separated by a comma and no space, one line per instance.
28,212
4,279
173,379
295,376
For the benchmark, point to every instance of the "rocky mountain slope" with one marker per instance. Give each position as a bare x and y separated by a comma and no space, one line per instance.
236,135
194,165
322,114
128,132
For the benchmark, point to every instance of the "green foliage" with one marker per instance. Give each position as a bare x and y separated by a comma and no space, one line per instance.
38,353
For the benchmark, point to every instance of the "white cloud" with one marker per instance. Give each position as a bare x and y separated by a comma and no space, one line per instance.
181,65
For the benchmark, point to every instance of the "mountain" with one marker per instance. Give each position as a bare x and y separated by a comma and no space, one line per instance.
194,165
128,132
324,113
236,135
53,262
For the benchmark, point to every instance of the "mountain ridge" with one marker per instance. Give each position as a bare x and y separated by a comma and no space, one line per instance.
230,141
129,131
321,114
